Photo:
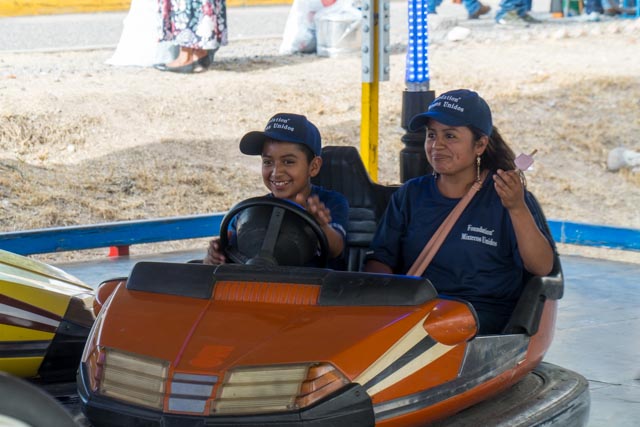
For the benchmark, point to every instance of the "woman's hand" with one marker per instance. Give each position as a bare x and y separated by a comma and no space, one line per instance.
510,189
534,248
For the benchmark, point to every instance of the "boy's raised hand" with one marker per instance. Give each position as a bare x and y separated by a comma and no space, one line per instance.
322,214
315,207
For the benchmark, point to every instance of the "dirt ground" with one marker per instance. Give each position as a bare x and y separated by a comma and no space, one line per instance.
82,142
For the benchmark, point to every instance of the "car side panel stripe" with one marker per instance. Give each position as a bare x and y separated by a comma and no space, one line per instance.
12,302
400,347
23,348
23,318
482,369
21,322
415,350
18,313
417,362
422,346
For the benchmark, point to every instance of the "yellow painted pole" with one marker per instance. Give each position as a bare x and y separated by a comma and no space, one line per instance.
369,128
369,107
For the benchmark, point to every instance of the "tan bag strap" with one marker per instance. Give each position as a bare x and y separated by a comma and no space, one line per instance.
432,246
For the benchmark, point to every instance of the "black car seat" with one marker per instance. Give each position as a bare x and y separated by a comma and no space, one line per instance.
526,316
343,171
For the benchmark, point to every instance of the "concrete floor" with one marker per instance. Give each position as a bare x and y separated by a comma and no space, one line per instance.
597,333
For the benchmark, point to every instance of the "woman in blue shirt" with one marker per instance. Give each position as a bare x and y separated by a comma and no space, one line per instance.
498,236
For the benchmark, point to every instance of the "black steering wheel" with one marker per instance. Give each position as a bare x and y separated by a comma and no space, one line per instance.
271,231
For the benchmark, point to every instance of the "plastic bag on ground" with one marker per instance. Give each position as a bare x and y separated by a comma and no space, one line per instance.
300,30
338,29
139,43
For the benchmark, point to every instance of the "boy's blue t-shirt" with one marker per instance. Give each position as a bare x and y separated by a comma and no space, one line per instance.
478,261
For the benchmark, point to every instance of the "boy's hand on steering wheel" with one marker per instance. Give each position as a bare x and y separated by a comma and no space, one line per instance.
215,255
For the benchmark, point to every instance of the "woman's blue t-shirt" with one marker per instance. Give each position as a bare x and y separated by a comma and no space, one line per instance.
478,261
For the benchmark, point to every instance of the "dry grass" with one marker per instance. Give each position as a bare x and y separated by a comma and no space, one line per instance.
83,146
34,136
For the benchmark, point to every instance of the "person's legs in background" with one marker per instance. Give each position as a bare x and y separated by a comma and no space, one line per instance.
514,12
189,60
432,5
592,6
188,55
510,7
614,7
198,27
593,9
475,8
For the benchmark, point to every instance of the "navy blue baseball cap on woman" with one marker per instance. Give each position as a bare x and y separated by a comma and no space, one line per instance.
283,127
459,107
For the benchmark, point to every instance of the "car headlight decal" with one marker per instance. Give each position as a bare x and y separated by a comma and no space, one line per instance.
190,392
276,388
133,378
321,381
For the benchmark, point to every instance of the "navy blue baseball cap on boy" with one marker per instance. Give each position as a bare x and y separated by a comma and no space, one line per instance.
283,127
459,107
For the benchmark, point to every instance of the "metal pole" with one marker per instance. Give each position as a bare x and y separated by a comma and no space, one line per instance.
417,96
375,68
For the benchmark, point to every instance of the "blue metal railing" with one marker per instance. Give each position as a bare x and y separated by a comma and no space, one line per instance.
127,233
113,234
576,233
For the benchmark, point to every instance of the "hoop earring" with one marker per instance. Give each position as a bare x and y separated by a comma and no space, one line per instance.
478,168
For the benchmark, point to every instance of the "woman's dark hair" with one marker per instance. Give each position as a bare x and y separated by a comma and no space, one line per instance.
497,155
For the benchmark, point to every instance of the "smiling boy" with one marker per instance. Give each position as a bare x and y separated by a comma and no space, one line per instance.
290,147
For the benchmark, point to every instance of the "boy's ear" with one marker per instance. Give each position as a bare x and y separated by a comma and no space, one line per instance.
315,165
